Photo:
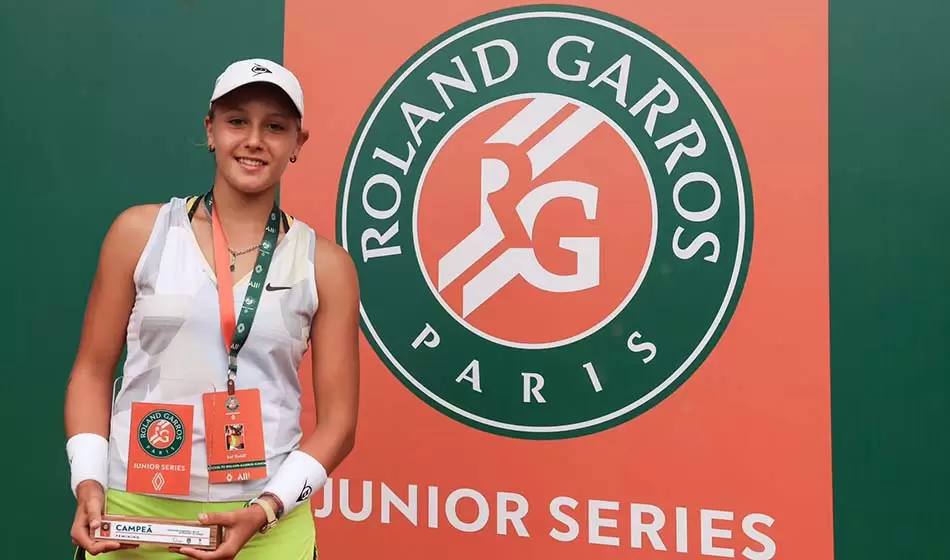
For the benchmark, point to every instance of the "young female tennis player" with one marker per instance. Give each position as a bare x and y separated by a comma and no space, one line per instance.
216,298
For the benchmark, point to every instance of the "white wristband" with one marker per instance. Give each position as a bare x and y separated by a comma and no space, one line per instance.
88,456
297,479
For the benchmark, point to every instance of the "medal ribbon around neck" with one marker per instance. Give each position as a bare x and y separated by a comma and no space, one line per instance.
236,331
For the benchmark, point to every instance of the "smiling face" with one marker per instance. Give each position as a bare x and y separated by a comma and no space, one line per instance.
254,130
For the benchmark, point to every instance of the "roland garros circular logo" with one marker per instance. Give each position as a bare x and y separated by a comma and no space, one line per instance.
550,213
161,434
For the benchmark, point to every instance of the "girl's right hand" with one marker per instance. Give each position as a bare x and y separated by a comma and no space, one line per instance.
90,500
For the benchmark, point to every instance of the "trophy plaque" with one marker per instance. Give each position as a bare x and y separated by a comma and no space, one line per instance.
156,531
160,434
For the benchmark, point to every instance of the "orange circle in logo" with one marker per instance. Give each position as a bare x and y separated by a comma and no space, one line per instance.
535,221
161,434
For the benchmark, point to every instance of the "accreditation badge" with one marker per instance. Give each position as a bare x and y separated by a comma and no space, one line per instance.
234,431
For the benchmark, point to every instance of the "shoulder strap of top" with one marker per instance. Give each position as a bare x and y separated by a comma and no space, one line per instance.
192,205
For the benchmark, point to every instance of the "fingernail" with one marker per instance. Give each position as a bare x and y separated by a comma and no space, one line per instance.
202,517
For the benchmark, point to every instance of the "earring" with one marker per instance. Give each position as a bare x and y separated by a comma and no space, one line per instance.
293,159
210,148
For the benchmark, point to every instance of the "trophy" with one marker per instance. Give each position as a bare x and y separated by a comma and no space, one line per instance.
159,432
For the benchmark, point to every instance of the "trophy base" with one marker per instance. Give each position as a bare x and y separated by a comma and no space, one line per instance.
159,532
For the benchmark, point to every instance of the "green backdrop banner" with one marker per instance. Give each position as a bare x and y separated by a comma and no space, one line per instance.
890,278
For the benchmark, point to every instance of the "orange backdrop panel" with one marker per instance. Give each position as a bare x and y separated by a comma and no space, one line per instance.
748,433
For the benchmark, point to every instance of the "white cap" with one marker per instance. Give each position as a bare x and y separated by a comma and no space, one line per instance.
256,70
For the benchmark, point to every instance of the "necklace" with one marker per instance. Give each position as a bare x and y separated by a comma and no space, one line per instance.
234,254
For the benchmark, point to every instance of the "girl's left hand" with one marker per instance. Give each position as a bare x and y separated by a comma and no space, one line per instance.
239,526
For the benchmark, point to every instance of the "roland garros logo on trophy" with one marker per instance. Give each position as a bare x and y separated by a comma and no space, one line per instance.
551,215
161,435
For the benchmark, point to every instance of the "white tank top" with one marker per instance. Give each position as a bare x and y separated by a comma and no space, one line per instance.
176,349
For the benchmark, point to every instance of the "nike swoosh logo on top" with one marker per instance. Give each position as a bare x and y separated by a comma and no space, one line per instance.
270,288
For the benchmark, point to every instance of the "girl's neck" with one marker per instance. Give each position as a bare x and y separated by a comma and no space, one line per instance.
239,210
